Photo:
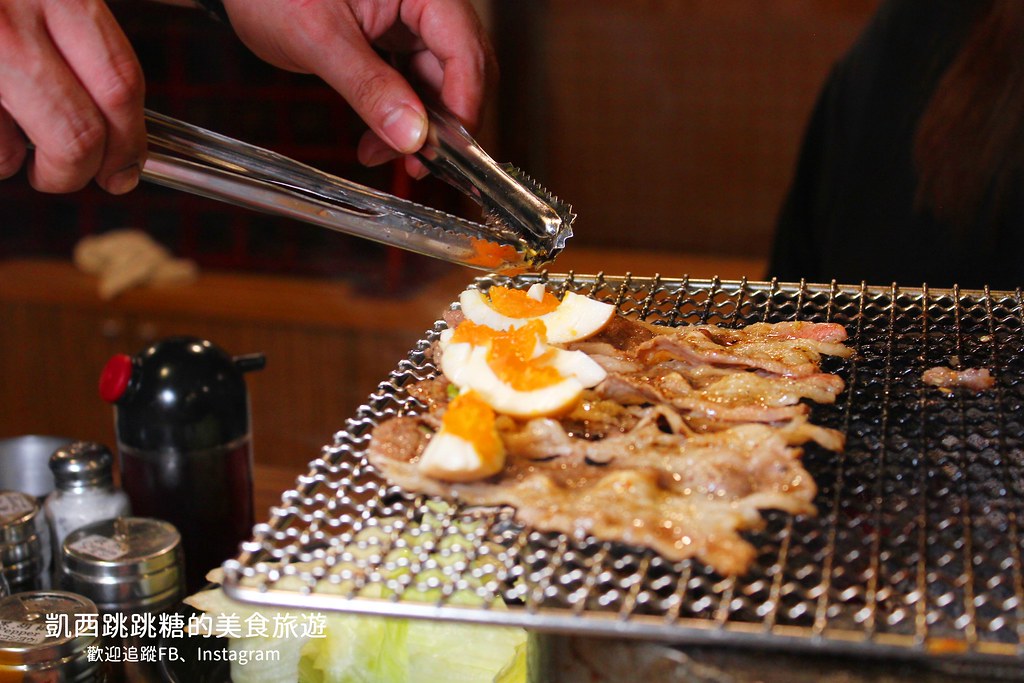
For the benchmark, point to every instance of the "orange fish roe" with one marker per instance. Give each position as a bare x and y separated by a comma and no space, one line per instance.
516,303
470,418
511,358
511,353
469,332
490,255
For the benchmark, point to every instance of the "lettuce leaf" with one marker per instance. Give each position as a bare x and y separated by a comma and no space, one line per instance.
464,653
371,649
361,649
261,667
357,649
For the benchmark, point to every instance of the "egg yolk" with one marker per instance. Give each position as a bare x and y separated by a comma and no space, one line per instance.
511,353
471,419
516,303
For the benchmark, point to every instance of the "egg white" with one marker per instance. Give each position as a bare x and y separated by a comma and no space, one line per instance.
451,458
576,317
466,366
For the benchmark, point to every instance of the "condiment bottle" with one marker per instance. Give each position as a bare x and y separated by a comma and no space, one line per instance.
181,410
83,474
125,565
21,541
29,651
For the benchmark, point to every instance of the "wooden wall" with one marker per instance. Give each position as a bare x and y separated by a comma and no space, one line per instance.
669,124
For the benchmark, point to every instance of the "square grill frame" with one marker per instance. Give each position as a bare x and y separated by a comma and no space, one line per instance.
916,551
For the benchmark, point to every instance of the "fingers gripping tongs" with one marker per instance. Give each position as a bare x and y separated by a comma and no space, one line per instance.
524,225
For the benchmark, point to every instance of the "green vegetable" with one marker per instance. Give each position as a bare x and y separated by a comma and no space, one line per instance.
464,653
360,649
253,660
365,649
357,650
368,649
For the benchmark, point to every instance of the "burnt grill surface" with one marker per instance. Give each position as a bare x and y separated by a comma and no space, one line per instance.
915,552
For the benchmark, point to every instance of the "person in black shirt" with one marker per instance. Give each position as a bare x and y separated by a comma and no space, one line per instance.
911,166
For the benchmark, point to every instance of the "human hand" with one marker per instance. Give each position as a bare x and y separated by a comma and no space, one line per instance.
441,43
71,85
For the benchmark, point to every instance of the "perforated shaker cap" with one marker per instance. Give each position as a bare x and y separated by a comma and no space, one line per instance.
82,465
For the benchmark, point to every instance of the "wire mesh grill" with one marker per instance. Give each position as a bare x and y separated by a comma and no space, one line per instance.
915,551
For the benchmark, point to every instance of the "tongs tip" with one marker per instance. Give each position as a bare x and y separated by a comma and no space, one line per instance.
527,226
547,227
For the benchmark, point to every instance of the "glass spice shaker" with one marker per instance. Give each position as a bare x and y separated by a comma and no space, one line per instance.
84,493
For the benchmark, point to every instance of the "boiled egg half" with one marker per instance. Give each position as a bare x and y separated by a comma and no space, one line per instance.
515,371
574,317
467,447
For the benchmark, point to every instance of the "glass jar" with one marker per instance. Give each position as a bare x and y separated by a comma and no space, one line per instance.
83,474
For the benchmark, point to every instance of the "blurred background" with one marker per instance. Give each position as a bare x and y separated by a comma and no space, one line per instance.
668,124
672,126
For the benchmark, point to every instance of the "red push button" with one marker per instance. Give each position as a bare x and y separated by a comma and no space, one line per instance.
115,377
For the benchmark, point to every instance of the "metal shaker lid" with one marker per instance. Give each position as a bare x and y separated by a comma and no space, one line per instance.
122,547
17,516
24,641
81,465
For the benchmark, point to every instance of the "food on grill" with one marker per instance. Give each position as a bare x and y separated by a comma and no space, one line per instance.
574,317
976,379
467,446
516,371
691,432
507,366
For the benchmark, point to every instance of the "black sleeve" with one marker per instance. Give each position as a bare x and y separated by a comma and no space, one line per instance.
795,249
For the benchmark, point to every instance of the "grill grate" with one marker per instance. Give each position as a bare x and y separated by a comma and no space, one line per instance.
916,550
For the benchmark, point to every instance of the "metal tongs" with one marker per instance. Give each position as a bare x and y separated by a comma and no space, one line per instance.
524,225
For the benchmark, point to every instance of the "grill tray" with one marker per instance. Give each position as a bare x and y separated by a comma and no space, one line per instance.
915,552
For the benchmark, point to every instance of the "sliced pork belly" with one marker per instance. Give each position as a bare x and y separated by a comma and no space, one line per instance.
693,432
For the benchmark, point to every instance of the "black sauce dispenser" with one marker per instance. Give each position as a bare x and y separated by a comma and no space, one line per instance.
181,412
